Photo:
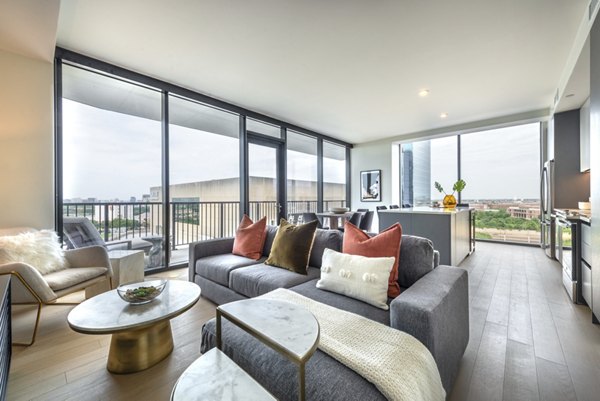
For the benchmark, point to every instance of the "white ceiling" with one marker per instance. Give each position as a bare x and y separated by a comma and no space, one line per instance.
347,68
577,89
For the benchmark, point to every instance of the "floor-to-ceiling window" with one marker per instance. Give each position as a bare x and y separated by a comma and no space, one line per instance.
204,173
334,175
301,174
122,137
111,137
501,168
423,164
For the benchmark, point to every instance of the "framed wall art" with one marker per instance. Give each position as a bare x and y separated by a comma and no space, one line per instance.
370,186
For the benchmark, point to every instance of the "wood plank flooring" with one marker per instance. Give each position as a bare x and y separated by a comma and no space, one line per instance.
528,342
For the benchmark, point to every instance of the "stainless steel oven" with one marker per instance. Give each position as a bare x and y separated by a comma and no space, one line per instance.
567,254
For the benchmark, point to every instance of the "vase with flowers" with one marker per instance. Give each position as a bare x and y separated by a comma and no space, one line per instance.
449,200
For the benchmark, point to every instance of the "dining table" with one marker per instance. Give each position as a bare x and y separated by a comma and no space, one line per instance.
334,218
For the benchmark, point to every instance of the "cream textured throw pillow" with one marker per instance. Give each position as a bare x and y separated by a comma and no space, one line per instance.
40,249
356,276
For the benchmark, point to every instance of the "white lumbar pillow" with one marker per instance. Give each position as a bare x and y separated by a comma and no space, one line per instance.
39,249
356,276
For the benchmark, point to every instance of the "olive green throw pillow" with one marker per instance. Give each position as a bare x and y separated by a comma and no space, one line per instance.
292,245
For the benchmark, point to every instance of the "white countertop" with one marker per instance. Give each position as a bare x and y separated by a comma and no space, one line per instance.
427,210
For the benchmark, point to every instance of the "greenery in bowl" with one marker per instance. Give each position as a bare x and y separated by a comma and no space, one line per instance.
141,293
458,186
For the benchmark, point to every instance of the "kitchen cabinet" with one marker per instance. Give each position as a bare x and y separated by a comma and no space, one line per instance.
584,136
448,229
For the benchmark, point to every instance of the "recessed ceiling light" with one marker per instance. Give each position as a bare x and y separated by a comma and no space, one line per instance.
444,115
424,92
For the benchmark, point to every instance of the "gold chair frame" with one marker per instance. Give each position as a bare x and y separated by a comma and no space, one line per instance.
39,303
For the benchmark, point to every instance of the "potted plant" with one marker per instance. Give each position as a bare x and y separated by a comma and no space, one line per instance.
449,200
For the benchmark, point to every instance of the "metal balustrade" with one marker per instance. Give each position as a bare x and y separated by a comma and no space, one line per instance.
190,221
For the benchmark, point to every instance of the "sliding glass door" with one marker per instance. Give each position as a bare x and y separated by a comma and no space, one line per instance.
265,194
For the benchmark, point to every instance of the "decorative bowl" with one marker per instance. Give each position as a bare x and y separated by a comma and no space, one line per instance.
339,209
141,293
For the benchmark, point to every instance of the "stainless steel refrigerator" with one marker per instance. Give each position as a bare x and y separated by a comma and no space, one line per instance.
547,208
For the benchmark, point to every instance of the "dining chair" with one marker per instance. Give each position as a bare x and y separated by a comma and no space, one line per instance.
366,221
355,219
310,216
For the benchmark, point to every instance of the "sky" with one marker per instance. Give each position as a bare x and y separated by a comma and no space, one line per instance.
496,164
109,155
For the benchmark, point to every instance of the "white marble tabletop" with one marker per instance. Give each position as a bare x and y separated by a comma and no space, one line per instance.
214,376
107,313
290,326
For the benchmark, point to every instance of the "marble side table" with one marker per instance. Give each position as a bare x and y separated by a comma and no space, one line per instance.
141,334
287,328
127,267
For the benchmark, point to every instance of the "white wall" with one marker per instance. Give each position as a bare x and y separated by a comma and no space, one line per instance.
26,142
372,156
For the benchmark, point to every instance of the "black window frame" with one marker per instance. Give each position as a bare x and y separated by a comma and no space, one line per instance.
166,89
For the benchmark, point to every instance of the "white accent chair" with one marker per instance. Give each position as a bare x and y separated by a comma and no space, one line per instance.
87,266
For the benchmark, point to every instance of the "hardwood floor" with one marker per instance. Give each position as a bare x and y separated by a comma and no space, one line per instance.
528,342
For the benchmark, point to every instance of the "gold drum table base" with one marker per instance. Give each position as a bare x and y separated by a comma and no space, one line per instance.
135,350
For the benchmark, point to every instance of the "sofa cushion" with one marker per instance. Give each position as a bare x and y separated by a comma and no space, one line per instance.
250,238
417,259
310,290
356,277
292,246
384,244
256,280
324,239
71,276
218,267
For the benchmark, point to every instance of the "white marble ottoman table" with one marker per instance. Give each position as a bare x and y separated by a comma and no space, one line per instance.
141,334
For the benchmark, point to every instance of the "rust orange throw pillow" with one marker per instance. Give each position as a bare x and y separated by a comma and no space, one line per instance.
386,243
250,238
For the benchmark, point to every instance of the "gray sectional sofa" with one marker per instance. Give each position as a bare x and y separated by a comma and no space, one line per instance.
433,307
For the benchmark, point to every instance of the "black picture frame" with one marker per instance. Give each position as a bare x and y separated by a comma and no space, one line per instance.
370,186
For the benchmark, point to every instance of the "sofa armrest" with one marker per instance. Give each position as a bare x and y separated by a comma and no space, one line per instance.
435,310
202,249
436,258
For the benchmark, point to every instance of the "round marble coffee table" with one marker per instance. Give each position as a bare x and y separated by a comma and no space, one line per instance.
141,334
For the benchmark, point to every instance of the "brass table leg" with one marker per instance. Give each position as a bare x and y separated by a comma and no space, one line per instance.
136,350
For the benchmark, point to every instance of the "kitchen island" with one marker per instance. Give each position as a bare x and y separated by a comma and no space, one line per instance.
448,229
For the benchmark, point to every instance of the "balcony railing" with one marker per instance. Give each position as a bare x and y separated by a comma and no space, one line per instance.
190,221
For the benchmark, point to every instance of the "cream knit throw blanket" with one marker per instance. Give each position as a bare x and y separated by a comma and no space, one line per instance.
398,364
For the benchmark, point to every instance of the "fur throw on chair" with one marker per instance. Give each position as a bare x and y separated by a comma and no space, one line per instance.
39,249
